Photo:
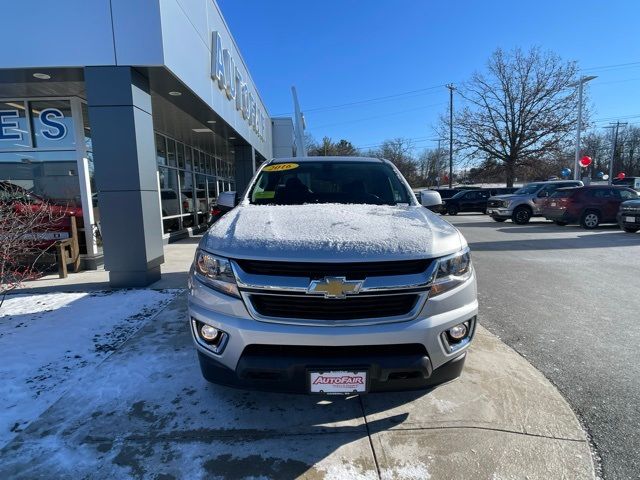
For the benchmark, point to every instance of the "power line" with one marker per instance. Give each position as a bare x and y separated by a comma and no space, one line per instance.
614,66
360,102
380,116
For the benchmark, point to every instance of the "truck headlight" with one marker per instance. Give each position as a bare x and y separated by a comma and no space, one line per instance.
451,271
215,272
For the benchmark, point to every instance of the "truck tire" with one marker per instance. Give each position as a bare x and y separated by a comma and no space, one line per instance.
590,219
521,215
631,229
498,219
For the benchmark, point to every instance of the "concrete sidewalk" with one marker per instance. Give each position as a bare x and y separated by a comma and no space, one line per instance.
145,412
177,261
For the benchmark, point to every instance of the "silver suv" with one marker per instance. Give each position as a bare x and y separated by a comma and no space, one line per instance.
328,277
526,202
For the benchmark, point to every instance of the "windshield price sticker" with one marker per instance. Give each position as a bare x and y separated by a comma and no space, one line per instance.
279,167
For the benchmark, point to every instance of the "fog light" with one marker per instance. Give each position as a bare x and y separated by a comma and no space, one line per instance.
208,332
458,332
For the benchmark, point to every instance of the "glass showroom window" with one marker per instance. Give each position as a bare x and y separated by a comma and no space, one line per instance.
39,154
188,184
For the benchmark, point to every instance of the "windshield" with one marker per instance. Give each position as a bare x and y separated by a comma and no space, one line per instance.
529,189
328,182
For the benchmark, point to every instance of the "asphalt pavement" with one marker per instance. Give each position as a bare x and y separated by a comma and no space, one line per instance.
568,300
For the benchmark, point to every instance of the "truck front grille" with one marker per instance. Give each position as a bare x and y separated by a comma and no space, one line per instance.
352,271
350,308
494,203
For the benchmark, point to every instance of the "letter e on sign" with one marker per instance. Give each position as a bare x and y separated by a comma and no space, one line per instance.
7,123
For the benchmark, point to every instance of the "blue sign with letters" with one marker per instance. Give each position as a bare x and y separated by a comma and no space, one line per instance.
44,127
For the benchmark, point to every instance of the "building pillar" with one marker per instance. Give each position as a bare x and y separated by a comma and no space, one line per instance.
124,153
245,161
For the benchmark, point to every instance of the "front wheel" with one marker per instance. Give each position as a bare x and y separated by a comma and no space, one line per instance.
498,219
521,215
631,229
590,220
452,210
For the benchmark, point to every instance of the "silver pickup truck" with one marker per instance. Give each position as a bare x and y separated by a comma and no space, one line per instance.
329,277
525,203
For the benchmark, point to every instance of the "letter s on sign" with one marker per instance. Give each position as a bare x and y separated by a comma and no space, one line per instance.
53,130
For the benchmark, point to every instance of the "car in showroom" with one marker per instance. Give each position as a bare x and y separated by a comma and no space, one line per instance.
53,219
328,277
629,216
526,202
588,206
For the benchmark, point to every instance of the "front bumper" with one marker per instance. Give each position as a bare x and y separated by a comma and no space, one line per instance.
625,219
499,212
238,365
288,372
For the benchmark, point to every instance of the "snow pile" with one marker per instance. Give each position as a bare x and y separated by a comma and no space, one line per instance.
343,230
50,339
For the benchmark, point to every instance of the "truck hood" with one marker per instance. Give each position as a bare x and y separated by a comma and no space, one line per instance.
331,233
507,196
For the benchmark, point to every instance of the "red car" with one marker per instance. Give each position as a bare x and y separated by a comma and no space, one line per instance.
589,206
55,223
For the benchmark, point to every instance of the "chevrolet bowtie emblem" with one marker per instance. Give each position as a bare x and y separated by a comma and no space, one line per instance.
334,287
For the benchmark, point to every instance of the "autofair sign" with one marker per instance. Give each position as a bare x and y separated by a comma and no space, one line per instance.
231,81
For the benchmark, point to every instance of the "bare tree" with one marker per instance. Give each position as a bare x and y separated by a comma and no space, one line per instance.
342,148
22,223
522,109
399,152
431,163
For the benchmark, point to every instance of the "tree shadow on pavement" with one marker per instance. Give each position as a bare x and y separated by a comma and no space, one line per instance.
614,239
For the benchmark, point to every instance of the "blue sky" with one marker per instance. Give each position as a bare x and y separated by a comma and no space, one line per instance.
338,52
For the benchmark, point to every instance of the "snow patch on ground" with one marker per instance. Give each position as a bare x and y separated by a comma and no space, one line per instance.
406,472
49,340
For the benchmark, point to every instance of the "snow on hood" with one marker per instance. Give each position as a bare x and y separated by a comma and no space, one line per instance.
331,232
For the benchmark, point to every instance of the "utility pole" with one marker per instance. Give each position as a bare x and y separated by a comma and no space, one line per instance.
580,84
614,142
451,88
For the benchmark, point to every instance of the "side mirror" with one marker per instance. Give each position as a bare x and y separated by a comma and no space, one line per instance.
543,194
227,199
430,198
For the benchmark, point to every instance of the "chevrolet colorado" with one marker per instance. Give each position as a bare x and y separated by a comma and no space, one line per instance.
329,277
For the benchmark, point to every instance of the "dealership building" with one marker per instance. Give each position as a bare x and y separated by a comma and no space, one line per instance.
137,112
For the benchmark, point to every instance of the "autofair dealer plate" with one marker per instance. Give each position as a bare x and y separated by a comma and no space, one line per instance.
338,383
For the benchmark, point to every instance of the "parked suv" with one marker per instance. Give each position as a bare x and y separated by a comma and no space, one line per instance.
588,206
467,201
329,277
472,200
629,216
525,202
